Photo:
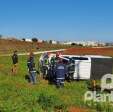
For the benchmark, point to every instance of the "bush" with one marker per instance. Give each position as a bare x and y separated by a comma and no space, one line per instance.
51,102
34,39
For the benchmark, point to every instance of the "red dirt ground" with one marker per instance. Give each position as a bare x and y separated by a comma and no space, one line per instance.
90,51
76,109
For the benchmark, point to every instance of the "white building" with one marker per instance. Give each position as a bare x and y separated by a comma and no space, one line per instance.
84,43
28,40
54,42
67,43
40,41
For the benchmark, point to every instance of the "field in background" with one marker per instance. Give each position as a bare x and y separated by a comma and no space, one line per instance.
17,95
90,51
8,46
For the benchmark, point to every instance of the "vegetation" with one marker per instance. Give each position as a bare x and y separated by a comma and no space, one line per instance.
17,95
8,46
34,39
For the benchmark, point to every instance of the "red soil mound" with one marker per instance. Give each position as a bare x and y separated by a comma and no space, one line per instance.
90,51
76,109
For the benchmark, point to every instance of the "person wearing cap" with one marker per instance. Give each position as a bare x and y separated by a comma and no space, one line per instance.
60,72
15,62
31,68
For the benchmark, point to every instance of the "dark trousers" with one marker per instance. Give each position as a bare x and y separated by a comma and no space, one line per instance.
60,82
32,77
51,75
45,71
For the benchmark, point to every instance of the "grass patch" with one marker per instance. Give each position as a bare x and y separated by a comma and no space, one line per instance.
17,95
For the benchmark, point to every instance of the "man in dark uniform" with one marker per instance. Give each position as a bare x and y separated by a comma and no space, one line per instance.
60,72
15,62
31,68
51,76
45,68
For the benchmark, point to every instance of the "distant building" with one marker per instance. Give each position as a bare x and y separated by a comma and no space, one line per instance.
102,44
67,43
40,41
54,42
109,44
84,43
28,40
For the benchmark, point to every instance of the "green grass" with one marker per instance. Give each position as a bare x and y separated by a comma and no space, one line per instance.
17,95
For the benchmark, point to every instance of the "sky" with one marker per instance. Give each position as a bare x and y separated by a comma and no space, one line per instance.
57,19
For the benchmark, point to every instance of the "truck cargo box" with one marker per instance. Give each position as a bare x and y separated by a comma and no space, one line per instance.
91,66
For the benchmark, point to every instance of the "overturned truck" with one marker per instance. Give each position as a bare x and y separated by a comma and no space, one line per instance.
85,66
90,66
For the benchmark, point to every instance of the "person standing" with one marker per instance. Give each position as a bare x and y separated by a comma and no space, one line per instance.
53,61
45,68
60,72
15,62
51,74
31,68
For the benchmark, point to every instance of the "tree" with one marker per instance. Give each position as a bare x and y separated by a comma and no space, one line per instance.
24,39
34,39
74,44
50,41
80,45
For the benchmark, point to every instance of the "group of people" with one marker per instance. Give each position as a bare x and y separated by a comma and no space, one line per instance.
30,65
54,69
